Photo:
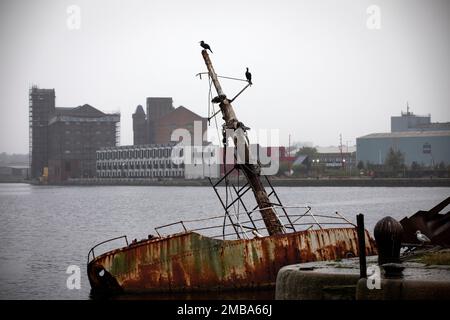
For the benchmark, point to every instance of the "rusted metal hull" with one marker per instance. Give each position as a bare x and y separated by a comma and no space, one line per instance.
192,262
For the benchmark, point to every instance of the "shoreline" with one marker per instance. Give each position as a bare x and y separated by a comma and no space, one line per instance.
355,182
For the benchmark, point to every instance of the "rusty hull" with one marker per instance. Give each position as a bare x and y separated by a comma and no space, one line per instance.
192,262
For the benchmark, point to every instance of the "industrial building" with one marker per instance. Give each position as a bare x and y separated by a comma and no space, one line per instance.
63,141
427,148
161,120
335,157
148,162
408,121
416,137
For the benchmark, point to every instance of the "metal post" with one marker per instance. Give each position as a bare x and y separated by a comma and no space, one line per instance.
273,224
361,245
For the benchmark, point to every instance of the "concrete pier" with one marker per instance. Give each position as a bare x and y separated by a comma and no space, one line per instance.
339,280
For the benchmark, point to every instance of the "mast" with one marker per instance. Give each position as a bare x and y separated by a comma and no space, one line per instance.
251,171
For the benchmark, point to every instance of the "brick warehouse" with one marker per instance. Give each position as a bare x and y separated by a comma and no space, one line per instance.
161,120
65,140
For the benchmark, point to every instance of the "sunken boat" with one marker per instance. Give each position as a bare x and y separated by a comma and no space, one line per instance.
233,251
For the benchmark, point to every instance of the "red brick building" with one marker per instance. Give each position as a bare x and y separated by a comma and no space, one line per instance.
179,118
157,126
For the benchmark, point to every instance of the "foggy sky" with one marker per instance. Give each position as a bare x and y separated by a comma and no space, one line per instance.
318,71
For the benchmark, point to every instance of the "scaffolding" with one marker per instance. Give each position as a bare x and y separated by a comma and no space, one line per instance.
30,130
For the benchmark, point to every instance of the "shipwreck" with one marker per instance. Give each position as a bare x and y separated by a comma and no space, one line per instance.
234,251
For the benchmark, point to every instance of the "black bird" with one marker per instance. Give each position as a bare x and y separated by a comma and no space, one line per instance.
205,46
248,75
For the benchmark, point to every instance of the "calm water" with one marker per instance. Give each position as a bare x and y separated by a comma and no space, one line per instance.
43,230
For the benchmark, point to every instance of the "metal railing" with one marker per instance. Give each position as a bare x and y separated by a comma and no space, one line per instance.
241,227
103,242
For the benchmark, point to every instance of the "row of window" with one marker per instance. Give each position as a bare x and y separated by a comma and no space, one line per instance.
153,174
79,132
150,165
136,154
335,160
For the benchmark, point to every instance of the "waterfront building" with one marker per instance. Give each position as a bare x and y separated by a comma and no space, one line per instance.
63,141
335,157
408,121
161,120
426,148
153,161
419,140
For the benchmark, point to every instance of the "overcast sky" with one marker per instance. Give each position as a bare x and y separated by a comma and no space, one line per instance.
318,69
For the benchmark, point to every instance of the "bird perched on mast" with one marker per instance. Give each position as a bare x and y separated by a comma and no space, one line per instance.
205,46
248,75
421,237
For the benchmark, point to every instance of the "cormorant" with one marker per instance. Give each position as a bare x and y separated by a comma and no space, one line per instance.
205,46
248,75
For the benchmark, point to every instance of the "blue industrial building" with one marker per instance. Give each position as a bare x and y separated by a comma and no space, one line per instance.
423,147
419,140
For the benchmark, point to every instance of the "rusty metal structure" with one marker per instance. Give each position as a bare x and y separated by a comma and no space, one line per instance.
189,261
434,224
250,171
228,251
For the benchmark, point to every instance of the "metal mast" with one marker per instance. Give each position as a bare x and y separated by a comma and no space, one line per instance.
251,171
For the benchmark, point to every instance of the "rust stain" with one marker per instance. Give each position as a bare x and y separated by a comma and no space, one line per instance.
190,261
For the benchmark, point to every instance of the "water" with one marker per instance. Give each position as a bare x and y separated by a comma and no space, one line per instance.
44,229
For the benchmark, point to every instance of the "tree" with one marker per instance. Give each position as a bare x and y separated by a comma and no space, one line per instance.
395,160
311,152
415,166
441,166
360,165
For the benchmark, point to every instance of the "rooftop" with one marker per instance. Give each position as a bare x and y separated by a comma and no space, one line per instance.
335,149
407,134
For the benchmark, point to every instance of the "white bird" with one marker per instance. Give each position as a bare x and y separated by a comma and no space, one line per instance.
421,237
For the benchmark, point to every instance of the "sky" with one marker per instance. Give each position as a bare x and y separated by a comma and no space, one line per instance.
320,68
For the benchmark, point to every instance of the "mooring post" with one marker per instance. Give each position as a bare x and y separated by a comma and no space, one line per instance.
388,234
271,221
361,245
